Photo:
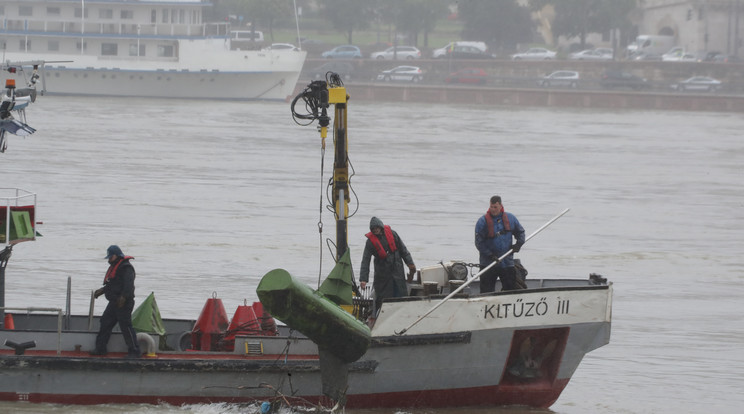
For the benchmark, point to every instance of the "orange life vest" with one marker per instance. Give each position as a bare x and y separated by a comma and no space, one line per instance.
381,253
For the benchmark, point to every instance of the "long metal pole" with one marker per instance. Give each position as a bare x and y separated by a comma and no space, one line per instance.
478,275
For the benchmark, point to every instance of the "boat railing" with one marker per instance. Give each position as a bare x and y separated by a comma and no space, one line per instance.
92,28
59,320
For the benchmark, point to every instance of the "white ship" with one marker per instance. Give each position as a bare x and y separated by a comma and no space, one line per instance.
147,48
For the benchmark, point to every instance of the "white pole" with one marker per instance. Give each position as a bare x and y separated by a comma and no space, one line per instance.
464,285
297,23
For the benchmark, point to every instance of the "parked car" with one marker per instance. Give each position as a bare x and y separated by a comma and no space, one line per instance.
398,52
476,76
698,83
442,51
645,56
535,53
618,79
402,73
560,78
343,52
466,52
591,54
344,69
678,54
282,47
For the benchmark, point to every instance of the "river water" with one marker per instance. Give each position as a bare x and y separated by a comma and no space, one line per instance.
209,196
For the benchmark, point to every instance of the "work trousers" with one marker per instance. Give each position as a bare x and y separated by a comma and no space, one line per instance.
508,276
123,316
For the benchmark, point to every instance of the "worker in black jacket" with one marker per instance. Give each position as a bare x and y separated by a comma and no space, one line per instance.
118,287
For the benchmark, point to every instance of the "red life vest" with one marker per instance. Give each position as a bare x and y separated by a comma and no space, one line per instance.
381,253
111,272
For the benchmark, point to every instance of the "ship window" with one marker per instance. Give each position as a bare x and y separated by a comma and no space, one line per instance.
182,16
154,16
53,11
24,45
79,12
133,50
2,10
165,51
106,13
53,45
127,14
174,16
165,15
109,49
85,45
25,11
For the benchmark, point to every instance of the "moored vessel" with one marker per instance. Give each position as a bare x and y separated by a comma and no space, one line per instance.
143,49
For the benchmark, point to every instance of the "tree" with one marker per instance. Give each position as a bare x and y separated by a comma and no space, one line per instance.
415,16
577,18
348,15
500,23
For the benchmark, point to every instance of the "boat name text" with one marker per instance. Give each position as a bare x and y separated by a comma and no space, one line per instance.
521,309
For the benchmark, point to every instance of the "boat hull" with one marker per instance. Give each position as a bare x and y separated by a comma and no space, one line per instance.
471,359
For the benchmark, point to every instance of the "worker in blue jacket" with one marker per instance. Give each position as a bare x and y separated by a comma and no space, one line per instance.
494,233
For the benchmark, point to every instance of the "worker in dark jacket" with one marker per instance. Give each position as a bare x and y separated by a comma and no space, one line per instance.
390,253
118,287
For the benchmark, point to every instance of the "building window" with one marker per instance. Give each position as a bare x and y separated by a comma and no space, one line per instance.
133,50
165,51
127,14
25,11
53,11
53,46
106,13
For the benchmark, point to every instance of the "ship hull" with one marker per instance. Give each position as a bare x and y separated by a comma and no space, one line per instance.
474,353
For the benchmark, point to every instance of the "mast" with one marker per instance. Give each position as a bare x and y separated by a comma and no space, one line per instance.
340,191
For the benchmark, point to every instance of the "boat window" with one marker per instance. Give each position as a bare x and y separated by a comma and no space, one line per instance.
165,51
133,50
127,14
154,16
106,13
165,15
53,45
25,11
53,11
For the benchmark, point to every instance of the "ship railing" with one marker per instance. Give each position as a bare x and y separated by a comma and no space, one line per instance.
59,320
91,28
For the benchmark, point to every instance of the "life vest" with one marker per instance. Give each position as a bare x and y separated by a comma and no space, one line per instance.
111,272
381,253
489,224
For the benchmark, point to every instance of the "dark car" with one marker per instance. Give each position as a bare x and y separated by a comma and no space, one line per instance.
468,75
466,52
619,79
344,69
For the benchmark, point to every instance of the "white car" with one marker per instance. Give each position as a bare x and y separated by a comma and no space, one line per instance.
591,54
560,78
678,54
397,52
442,51
535,53
698,83
402,73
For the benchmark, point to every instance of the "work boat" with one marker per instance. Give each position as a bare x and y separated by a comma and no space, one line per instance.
444,345
143,48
